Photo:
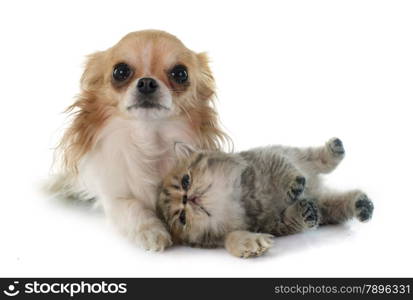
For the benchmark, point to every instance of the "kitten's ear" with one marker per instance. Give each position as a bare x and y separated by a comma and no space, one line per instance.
183,150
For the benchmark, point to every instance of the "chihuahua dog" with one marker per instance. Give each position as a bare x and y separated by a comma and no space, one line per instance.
136,99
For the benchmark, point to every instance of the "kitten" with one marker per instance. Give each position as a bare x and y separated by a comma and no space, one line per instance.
241,200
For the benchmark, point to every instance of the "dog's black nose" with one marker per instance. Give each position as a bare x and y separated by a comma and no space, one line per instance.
147,85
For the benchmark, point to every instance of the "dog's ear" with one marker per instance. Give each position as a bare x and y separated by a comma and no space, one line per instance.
183,150
89,112
93,75
206,85
205,116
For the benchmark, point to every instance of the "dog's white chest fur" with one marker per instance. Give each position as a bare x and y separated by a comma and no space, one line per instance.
131,157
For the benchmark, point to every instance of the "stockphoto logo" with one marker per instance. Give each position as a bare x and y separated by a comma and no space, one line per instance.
71,289
12,289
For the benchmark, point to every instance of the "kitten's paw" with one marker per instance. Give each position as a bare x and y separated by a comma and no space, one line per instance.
364,208
154,239
296,188
336,147
309,212
248,244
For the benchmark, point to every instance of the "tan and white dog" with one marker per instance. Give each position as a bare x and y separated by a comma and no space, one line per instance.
137,99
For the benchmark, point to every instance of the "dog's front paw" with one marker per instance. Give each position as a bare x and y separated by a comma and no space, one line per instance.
309,212
246,244
155,238
296,188
364,208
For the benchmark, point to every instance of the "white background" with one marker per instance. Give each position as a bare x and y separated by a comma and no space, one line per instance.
288,72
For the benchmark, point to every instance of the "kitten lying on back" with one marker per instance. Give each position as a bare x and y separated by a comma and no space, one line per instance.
240,200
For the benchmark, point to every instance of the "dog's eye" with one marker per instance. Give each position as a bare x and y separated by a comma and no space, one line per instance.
121,72
185,182
182,217
179,74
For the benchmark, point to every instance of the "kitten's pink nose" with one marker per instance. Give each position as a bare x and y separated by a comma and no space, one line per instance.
195,199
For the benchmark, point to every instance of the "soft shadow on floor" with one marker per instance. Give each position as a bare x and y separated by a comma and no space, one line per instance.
282,246
331,234
83,207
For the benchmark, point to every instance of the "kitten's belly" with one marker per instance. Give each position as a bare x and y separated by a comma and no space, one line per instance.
262,215
263,200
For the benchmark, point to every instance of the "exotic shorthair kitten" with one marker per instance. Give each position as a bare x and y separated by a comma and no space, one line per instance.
241,200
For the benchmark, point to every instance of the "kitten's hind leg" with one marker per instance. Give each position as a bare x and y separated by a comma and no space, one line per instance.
298,217
322,159
336,207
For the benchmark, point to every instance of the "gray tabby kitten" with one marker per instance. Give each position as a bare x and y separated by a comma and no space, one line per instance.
241,200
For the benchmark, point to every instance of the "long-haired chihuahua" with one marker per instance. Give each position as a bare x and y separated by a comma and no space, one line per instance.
137,99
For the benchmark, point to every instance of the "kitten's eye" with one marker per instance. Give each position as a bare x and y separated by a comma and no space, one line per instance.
182,217
121,72
179,74
185,182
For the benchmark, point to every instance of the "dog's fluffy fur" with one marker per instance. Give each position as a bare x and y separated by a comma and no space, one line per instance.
118,152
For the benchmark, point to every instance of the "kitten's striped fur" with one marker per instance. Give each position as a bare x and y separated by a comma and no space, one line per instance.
240,200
